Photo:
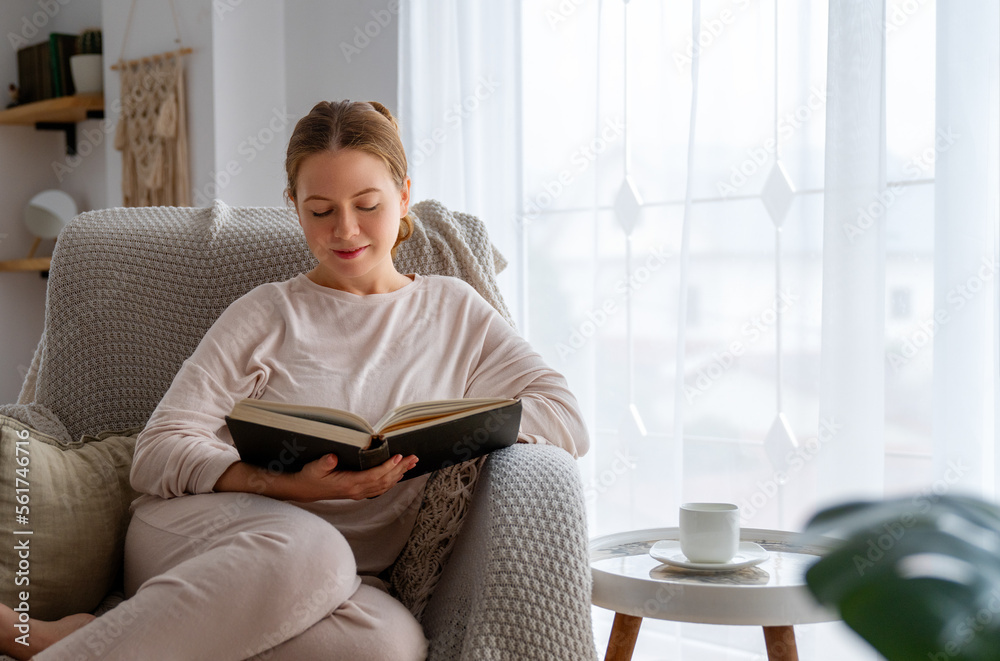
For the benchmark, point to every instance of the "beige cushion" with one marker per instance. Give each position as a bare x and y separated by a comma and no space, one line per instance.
77,497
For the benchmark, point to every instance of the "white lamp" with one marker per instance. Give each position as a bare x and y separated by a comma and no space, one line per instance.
48,212
45,216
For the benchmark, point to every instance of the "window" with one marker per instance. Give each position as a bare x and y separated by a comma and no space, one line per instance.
775,250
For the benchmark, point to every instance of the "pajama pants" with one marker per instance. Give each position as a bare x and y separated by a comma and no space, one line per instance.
233,576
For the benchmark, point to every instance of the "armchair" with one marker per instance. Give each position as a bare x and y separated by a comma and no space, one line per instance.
131,292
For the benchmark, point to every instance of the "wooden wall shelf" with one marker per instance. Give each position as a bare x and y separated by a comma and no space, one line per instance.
61,113
30,264
58,114
61,109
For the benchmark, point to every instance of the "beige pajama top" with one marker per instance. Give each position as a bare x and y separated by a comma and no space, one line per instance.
297,341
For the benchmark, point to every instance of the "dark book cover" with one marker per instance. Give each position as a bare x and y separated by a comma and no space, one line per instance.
27,76
61,48
437,446
44,68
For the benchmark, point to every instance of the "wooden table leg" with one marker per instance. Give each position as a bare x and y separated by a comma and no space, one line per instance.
780,643
623,634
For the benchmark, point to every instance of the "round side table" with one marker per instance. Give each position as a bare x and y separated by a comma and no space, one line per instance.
772,594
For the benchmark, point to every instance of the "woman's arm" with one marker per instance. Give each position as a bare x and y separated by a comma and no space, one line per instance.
509,367
317,480
182,449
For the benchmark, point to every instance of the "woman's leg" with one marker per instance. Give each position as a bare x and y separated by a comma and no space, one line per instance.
218,576
369,625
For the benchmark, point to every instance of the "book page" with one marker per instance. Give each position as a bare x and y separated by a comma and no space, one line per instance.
418,413
317,413
302,425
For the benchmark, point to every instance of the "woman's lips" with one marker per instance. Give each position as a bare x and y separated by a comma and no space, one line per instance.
350,254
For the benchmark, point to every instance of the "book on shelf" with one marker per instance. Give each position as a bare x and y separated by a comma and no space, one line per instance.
61,48
43,69
31,85
284,437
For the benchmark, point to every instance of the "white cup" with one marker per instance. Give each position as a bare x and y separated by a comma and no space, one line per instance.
710,532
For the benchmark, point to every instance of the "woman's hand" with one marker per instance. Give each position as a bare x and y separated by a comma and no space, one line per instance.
318,480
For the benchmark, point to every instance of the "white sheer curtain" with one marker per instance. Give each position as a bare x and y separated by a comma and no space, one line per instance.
852,360
759,238
459,108
965,240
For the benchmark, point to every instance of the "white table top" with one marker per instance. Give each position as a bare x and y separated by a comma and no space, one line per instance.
628,580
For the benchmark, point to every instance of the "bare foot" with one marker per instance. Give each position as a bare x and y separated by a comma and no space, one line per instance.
22,641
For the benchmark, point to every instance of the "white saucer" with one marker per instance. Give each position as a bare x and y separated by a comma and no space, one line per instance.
748,554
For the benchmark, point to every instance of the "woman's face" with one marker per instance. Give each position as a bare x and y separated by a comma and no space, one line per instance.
350,209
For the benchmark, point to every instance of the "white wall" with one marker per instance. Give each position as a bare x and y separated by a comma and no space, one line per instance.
252,123
257,66
152,32
341,50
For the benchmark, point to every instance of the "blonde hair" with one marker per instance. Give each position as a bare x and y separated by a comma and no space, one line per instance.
367,126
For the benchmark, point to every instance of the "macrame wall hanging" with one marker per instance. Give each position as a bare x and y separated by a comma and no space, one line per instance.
152,128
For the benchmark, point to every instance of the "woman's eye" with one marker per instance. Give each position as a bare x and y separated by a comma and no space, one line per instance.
371,208
317,214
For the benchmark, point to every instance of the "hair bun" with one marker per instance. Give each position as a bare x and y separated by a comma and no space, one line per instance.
385,113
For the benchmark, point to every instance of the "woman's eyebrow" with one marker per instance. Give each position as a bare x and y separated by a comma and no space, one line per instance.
370,189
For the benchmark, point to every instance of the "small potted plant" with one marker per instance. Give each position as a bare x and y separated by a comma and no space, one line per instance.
87,66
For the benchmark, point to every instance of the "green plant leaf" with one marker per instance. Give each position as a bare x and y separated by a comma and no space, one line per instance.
917,578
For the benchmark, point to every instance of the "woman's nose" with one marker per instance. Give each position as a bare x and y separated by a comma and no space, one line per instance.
345,226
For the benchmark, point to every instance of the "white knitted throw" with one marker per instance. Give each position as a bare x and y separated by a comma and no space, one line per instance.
132,290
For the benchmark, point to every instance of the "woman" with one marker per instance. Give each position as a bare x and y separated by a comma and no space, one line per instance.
223,560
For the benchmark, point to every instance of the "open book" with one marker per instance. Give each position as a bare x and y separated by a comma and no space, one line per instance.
285,437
